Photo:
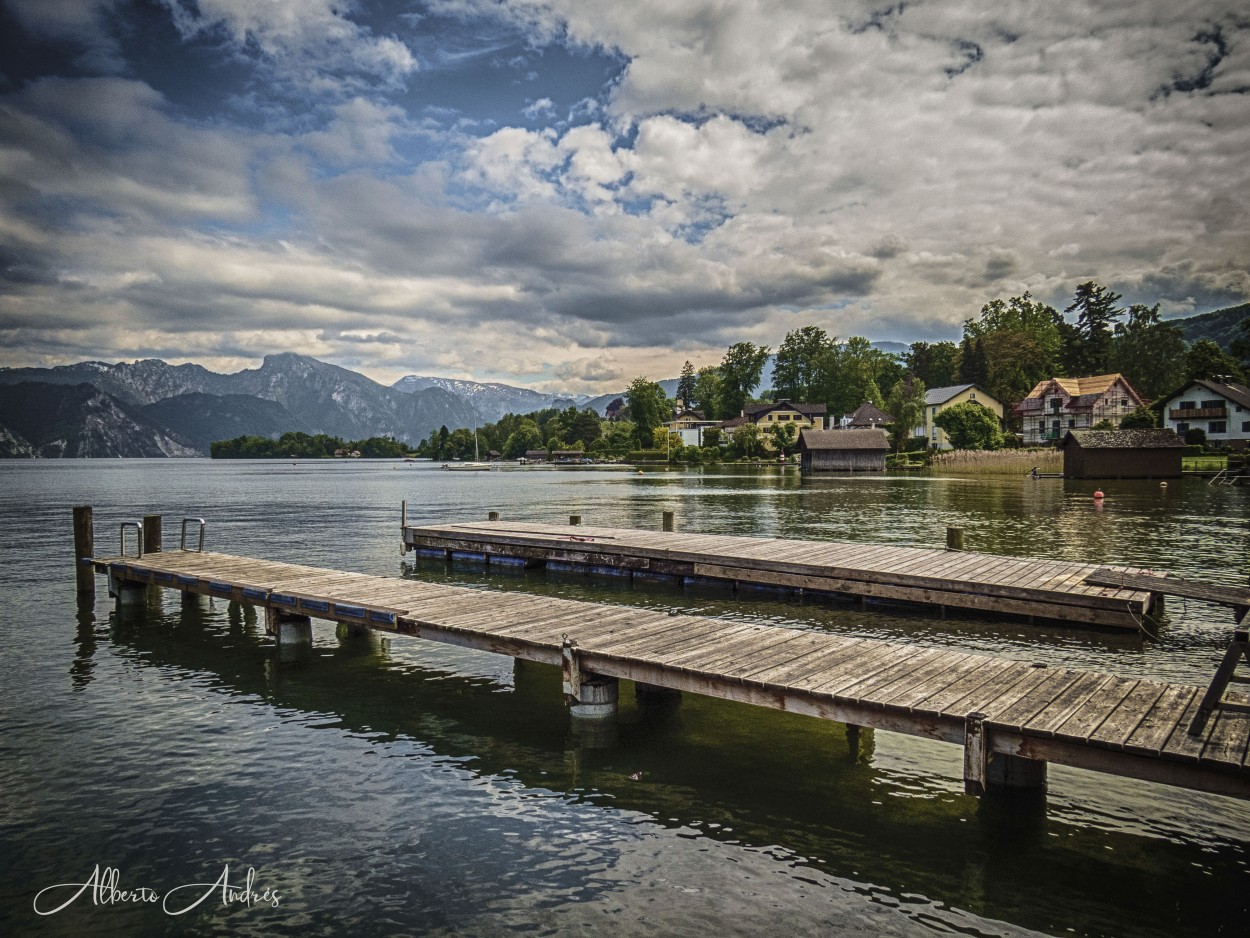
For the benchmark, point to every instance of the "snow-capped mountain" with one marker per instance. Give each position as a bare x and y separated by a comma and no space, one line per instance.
490,401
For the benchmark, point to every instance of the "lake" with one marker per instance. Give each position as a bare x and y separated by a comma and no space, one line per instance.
391,786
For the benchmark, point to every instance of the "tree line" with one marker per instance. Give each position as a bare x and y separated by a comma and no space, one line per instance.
306,446
1007,350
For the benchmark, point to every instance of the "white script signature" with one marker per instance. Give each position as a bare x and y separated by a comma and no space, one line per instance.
105,888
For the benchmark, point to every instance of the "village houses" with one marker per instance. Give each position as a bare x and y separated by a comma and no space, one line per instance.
1220,410
1058,405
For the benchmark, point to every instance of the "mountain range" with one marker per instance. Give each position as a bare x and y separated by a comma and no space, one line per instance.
151,408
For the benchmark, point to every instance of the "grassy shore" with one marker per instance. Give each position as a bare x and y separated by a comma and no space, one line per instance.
998,461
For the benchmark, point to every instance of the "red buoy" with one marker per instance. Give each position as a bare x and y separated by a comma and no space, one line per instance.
1098,496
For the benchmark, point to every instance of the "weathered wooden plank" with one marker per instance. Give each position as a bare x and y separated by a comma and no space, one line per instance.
1028,705
1079,695
1172,586
1227,738
1122,722
1161,720
964,677
1085,720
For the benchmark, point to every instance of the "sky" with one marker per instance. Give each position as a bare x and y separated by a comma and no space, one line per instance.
567,194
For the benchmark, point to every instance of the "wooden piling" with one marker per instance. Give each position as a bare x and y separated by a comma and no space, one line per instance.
151,534
954,538
492,516
667,523
84,546
575,519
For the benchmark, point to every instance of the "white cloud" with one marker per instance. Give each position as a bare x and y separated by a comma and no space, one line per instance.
758,166
300,38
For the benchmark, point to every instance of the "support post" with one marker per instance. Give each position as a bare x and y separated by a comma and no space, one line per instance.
151,534
976,756
84,548
954,538
293,632
667,522
590,696
130,594
575,519
492,516
1016,772
1238,648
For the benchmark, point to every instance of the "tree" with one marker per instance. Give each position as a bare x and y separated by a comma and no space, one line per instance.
785,437
1205,359
685,385
1014,345
934,364
970,426
740,372
1143,418
648,407
802,358
526,437
1149,352
857,373
973,367
1096,312
747,441
906,405
708,388
1241,347
711,437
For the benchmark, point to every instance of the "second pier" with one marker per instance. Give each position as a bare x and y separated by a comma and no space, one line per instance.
1045,589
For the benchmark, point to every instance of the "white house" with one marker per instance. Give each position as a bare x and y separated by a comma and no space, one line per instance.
1222,411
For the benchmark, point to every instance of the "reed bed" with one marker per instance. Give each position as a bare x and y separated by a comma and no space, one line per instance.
998,461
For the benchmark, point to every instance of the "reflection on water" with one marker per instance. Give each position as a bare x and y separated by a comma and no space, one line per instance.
392,786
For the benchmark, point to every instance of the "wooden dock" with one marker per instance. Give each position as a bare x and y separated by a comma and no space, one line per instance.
1047,589
1011,717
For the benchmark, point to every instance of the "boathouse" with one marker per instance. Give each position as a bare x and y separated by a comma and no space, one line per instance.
843,450
1121,454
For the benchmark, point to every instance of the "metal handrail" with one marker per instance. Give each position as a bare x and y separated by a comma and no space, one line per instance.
185,522
138,526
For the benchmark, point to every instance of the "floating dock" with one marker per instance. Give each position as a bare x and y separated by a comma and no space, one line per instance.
1041,589
1011,717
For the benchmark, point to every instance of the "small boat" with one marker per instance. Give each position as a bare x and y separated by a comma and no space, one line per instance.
476,466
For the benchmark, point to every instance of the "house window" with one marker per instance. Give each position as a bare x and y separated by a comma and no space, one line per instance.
1124,402
972,395
1215,403
1072,423
1186,405
1245,426
1217,426
1182,428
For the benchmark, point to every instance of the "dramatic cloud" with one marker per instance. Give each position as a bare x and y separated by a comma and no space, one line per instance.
568,193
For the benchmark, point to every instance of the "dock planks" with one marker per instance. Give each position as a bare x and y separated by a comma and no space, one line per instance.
1080,718
1048,589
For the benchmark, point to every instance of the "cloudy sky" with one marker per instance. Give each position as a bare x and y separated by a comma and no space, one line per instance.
565,194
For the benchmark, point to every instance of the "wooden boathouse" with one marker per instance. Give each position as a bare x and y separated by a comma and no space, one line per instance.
1011,717
1018,586
859,450
1122,454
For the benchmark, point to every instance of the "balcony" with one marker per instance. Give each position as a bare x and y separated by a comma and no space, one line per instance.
1198,413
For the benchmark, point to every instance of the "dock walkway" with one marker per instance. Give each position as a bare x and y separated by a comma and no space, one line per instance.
1007,714
1048,589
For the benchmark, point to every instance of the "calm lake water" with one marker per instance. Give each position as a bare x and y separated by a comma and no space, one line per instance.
390,786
